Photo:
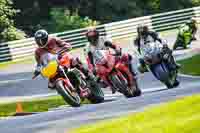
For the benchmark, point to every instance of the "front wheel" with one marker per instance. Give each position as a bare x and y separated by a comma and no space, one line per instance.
72,98
172,81
122,86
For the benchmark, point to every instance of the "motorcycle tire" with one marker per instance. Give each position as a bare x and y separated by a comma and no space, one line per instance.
173,82
176,83
96,93
73,100
169,85
123,88
138,91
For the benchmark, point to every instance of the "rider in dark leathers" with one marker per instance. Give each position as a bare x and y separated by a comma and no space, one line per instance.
144,36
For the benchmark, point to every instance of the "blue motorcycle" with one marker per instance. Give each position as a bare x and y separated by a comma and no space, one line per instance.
156,63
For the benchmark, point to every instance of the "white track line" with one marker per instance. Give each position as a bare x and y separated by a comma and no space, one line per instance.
28,98
24,98
13,80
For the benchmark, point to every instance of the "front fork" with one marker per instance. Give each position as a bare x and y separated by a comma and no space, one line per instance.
123,68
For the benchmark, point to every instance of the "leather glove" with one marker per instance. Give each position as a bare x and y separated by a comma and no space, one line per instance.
35,74
165,56
118,52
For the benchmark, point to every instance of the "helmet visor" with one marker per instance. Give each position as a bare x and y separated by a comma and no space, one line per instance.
42,42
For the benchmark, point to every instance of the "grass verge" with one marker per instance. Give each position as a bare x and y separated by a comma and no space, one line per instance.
191,65
180,116
37,105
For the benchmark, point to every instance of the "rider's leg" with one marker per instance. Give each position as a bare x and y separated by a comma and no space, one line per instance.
170,60
131,64
51,84
142,66
83,68
194,31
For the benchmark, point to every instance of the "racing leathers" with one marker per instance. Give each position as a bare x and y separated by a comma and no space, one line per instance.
141,42
104,44
54,45
193,26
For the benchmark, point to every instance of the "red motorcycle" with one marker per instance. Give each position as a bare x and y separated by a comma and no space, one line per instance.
70,82
114,71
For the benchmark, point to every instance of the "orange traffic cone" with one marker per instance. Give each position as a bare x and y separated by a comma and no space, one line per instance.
19,108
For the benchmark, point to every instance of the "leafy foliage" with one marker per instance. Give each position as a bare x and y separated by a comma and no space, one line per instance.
61,20
40,13
7,30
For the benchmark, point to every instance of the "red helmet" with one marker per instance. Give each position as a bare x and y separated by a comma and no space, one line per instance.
92,35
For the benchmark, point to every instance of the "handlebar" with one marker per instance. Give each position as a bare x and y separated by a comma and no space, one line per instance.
60,52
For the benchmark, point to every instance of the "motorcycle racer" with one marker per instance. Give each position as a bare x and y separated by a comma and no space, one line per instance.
141,42
47,44
97,42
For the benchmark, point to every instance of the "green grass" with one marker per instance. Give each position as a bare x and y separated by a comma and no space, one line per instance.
191,65
37,105
180,116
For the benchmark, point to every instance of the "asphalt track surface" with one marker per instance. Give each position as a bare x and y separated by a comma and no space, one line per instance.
64,118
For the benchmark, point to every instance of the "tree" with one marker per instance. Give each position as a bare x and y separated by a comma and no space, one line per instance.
62,20
38,13
7,30
32,12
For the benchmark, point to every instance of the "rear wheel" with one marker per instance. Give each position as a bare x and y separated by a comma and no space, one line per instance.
97,95
172,80
137,92
72,98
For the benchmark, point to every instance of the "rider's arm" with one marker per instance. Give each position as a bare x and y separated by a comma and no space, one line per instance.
38,64
136,43
194,28
63,44
90,57
155,36
110,44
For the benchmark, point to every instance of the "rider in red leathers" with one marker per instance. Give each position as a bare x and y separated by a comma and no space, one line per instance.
47,44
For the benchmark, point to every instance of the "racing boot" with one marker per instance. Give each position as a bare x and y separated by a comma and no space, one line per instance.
142,67
113,90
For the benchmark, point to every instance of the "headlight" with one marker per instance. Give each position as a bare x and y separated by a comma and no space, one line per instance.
50,70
